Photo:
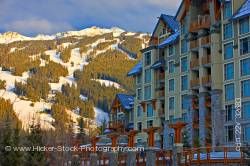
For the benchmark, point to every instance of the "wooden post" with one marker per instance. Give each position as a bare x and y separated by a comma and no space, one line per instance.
177,128
113,138
151,131
93,141
131,138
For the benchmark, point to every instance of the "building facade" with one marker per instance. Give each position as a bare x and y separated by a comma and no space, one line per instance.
196,65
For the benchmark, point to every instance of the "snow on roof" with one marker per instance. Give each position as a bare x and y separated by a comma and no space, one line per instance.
158,64
170,21
126,100
243,11
170,40
136,69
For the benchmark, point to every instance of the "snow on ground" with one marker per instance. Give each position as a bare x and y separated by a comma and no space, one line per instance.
100,116
12,49
10,79
64,45
26,112
108,83
83,98
130,34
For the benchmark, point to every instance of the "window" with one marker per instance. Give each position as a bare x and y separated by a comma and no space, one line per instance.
171,103
171,66
139,94
229,112
245,67
245,88
139,126
245,46
228,31
228,51
184,47
147,92
247,134
171,85
147,57
147,76
138,79
246,110
184,82
150,111
184,102
171,50
184,63
149,123
184,117
244,25
139,111
229,71
227,11
229,92
229,133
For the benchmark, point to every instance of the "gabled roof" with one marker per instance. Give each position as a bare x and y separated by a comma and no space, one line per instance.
170,40
243,11
127,101
170,21
136,69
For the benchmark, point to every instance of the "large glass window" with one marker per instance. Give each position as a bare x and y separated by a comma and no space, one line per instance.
247,133
138,79
139,126
245,88
184,82
245,46
184,66
229,92
139,94
184,46
171,103
147,76
147,58
246,110
171,85
150,111
229,112
171,67
230,133
184,102
229,71
227,10
245,67
228,51
149,123
147,92
228,30
139,111
171,50
244,25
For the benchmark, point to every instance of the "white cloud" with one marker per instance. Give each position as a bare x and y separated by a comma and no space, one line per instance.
35,25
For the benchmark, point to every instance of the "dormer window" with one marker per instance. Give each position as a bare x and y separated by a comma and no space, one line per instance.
163,31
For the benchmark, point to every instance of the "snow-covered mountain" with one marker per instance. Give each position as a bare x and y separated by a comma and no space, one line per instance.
9,37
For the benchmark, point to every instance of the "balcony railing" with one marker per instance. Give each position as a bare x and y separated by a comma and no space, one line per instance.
203,22
194,83
205,40
160,93
194,63
161,76
194,44
206,59
115,125
206,80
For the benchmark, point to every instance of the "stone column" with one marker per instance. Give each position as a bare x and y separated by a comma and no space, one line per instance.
93,159
113,158
190,128
218,118
131,160
202,120
177,152
150,157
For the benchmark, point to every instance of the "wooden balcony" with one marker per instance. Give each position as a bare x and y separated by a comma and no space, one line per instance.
195,83
194,44
205,7
161,76
161,112
206,80
203,22
205,40
115,125
206,59
194,63
160,93
208,102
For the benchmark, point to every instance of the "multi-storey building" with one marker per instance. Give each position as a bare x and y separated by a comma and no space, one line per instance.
195,71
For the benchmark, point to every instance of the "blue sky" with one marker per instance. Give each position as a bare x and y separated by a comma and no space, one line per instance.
30,17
